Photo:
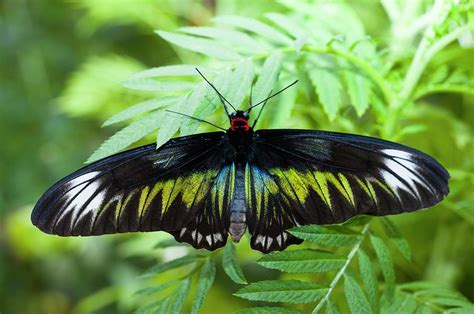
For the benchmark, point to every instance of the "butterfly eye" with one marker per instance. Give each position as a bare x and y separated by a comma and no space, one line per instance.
246,115
233,114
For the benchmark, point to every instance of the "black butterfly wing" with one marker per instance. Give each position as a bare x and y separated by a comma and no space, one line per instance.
174,189
322,177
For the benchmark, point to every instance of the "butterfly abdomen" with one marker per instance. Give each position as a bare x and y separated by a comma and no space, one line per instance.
238,207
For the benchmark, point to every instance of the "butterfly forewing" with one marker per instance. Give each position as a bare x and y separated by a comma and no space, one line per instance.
145,189
327,177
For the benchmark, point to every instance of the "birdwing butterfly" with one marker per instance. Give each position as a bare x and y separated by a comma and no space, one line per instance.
200,188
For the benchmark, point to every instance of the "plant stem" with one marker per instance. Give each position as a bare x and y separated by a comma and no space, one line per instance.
341,271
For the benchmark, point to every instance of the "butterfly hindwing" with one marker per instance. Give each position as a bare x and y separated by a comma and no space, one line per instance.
316,177
143,189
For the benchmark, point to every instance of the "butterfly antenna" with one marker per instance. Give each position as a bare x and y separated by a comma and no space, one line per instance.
250,99
197,119
223,100
259,113
271,96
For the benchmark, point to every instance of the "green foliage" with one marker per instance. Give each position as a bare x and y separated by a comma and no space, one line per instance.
346,71
399,70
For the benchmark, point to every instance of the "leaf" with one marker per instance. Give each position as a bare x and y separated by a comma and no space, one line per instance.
159,307
331,308
402,303
240,83
439,74
396,236
335,236
231,267
239,40
140,108
358,88
302,261
288,291
153,290
207,47
367,273
323,76
268,310
204,101
267,78
128,135
386,264
206,278
175,263
169,243
289,25
356,298
180,296
151,85
169,70
254,26
171,122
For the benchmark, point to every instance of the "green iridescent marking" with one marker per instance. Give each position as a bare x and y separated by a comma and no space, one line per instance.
247,186
347,188
118,207
372,191
363,186
337,184
141,202
156,188
166,194
323,185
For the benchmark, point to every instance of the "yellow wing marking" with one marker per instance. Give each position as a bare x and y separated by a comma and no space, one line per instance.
141,202
347,187
322,183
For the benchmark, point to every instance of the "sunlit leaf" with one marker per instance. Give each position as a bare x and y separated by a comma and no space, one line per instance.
268,310
386,263
240,40
356,298
128,135
302,261
267,78
206,278
323,74
175,263
288,291
144,84
334,237
157,288
231,266
331,308
169,70
367,273
171,122
179,298
254,26
207,47
396,236
140,108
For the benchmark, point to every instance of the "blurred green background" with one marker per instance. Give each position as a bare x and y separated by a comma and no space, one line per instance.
61,65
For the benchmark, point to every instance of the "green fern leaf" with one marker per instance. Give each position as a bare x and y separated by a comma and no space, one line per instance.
169,70
140,108
356,298
335,236
267,78
207,47
268,310
288,291
367,273
231,266
264,30
206,278
180,296
128,135
396,236
386,263
302,261
151,85
176,263
331,308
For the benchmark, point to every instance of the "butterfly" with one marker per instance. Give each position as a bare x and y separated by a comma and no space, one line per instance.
203,187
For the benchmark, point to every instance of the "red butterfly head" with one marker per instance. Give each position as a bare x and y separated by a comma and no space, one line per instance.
239,121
